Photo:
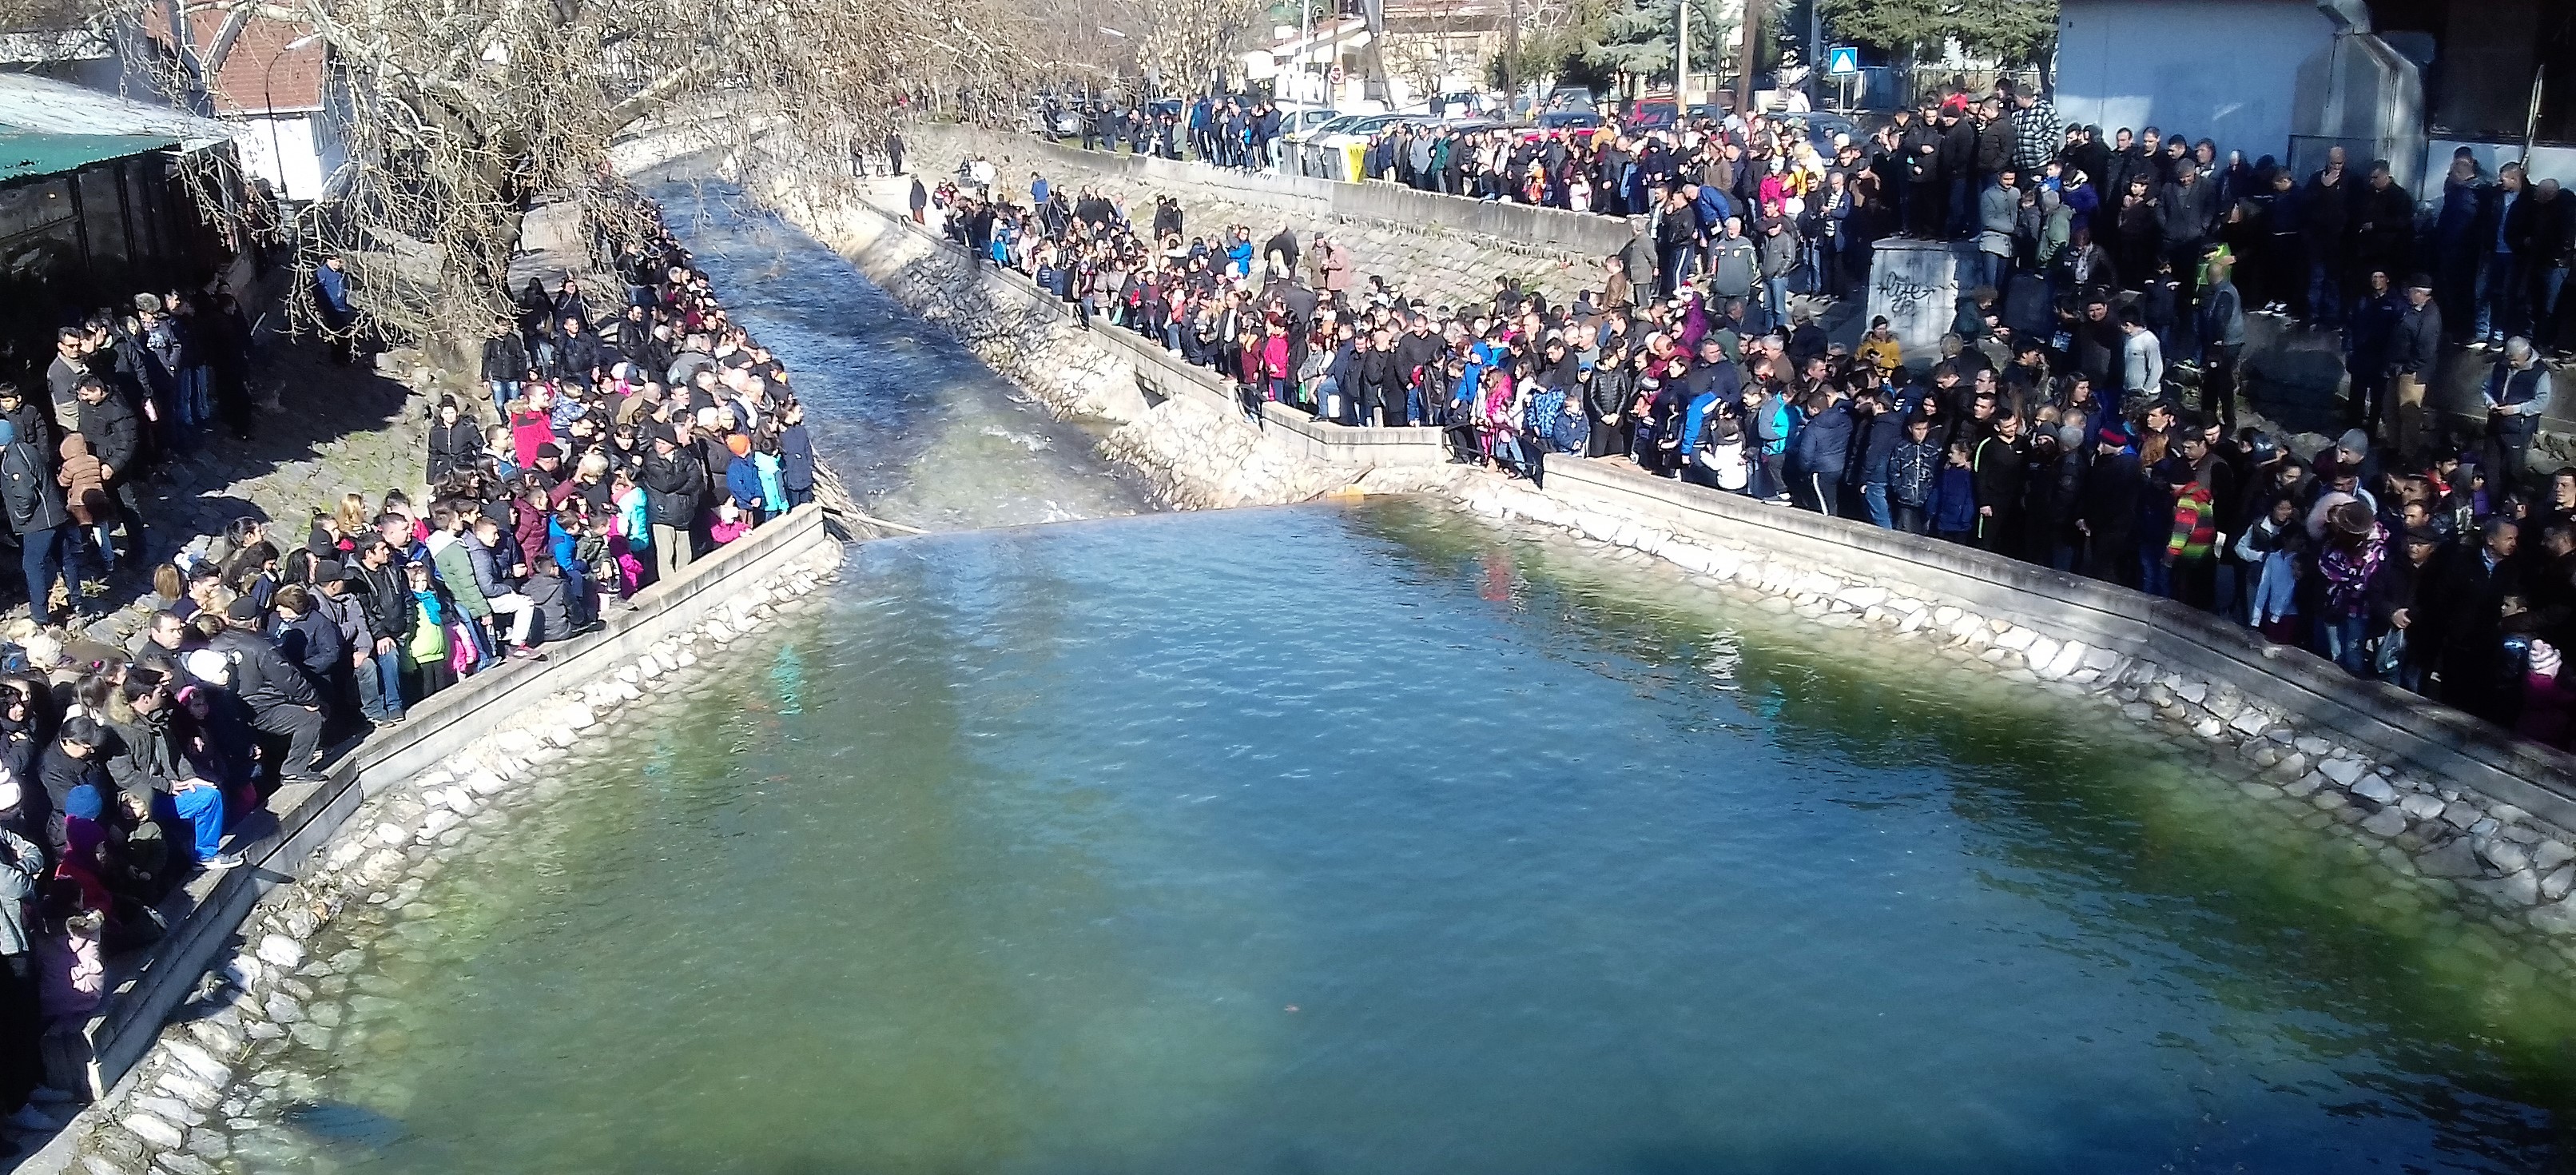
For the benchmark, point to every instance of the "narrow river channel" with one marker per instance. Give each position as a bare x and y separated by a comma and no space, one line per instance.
1361,839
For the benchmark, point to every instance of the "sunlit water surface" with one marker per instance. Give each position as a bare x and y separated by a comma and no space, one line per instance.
1326,840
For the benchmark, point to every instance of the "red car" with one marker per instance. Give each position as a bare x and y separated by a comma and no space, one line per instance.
1653,112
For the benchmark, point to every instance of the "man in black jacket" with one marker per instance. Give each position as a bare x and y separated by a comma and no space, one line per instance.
2414,350
108,423
377,582
2001,464
673,481
146,764
42,523
282,703
2107,512
2464,619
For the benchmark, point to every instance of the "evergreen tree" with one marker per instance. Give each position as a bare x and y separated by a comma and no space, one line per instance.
2011,31
1636,37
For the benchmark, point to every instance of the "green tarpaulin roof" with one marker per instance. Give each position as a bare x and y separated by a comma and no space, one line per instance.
24,154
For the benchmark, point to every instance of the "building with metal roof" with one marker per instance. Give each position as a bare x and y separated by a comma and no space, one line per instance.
93,208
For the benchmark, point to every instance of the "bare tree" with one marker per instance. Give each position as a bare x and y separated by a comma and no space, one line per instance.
459,111
1188,42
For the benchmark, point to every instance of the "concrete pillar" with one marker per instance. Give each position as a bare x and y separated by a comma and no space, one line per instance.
1916,285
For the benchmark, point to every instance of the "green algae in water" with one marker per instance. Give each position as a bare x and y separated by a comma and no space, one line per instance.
1374,839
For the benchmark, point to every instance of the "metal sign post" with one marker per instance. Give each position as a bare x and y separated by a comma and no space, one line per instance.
1842,62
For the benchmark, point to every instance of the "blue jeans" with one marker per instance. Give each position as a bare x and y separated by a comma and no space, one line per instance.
1992,268
2499,301
42,554
201,809
1325,389
1677,268
503,391
380,685
2155,577
2325,294
196,399
2544,303
1775,301
1874,496
2339,641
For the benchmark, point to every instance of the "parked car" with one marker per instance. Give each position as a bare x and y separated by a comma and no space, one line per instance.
1068,119
1653,113
1569,120
1569,98
1315,153
1299,122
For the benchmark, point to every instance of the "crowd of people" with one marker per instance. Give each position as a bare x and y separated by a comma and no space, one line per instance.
623,438
1224,130
2064,432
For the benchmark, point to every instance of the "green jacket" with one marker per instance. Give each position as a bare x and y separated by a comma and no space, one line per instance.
455,566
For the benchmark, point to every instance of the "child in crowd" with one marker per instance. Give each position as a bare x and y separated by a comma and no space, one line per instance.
1954,498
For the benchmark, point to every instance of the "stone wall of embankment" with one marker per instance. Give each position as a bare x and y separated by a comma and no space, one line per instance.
231,984
2445,807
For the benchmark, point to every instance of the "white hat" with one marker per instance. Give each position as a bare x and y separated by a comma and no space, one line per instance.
208,666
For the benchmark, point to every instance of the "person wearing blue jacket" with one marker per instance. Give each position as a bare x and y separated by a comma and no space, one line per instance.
1871,449
1768,422
742,477
795,455
1824,448
1954,498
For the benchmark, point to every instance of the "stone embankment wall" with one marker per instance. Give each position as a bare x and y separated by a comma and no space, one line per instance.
232,984
1444,248
2456,810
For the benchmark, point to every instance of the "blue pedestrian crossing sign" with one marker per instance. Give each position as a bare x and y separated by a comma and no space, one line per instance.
1842,60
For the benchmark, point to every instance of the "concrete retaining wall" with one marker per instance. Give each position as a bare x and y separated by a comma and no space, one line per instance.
309,818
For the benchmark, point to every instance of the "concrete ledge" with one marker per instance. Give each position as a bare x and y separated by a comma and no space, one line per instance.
2401,728
307,818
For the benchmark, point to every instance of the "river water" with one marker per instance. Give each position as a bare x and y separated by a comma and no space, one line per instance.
1369,839
1372,839
922,432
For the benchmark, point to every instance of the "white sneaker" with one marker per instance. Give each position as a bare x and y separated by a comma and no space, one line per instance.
220,862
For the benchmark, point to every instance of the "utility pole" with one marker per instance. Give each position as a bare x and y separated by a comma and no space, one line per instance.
1305,49
1681,64
1753,14
1511,57
1816,54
